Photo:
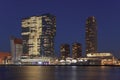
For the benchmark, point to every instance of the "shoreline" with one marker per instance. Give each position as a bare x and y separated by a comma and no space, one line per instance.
53,65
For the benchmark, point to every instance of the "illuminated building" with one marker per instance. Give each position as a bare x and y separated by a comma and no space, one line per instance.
91,35
16,49
76,50
106,58
65,51
100,55
97,59
38,35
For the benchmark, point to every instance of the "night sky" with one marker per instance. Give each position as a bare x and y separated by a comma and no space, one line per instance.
71,16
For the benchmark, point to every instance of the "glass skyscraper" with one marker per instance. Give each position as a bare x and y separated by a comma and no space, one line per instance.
38,34
91,35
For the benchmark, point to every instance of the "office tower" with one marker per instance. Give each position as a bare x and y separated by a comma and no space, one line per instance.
16,49
91,35
65,50
38,34
76,50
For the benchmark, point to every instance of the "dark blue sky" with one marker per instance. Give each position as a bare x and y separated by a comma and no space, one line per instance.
71,16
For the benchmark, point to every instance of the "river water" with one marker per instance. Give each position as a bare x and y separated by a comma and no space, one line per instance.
59,73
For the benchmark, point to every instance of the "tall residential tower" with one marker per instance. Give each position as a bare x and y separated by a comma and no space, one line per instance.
76,50
38,34
91,35
65,51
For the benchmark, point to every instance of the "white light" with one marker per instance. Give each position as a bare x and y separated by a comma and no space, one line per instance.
81,60
74,61
39,62
62,60
68,61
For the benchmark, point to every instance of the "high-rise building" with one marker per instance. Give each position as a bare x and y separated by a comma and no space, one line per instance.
16,49
65,50
76,50
91,35
38,34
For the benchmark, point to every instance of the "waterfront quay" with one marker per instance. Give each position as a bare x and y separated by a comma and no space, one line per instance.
98,59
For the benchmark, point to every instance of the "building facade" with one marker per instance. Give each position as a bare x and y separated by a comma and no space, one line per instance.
106,58
91,35
65,51
76,50
16,49
38,34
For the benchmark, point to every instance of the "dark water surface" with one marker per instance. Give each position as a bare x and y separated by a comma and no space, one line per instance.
59,73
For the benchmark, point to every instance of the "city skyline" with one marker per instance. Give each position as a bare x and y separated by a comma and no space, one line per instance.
71,17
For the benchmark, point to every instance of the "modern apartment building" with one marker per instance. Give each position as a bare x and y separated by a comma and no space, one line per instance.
76,50
38,34
65,51
91,35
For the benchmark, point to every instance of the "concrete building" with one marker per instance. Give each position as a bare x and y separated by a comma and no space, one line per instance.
76,50
91,35
16,49
65,51
38,34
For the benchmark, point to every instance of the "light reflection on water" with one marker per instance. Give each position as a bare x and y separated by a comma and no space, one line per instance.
59,73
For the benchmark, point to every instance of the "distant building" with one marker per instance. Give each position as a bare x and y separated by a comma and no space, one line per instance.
38,34
65,51
5,58
76,50
100,55
106,58
91,35
16,48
